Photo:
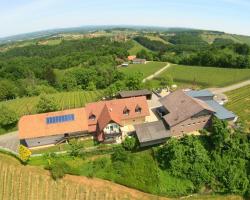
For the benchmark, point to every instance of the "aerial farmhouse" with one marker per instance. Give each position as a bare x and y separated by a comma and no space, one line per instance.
152,120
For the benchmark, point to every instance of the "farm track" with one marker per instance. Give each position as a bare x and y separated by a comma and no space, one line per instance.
156,73
230,87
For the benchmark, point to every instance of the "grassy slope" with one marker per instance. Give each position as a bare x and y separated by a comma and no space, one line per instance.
136,48
146,69
239,102
65,100
206,76
26,182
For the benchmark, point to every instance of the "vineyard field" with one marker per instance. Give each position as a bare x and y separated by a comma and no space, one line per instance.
239,102
205,76
65,100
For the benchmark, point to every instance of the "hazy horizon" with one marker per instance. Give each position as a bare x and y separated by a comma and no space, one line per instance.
25,16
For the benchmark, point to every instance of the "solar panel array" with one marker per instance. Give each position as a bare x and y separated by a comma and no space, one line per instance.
60,119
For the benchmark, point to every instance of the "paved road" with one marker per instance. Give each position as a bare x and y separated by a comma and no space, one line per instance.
10,141
156,73
230,88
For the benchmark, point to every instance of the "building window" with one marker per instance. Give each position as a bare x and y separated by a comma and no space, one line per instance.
138,109
126,111
189,124
92,117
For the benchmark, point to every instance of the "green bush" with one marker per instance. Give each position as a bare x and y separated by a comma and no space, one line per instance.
129,143
58,169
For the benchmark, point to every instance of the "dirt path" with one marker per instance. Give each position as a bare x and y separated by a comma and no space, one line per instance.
230,88
156,73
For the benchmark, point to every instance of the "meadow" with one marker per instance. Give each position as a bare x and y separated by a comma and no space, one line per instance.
239,102
146,69
65,100
203,77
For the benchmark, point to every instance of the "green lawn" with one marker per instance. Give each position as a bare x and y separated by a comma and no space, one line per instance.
136,48
65,100
239,102
146,69
206,76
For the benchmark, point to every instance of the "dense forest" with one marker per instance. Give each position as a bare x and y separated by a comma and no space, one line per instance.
71,65
190,49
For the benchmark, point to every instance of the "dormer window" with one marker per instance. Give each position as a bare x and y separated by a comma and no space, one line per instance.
138,109
126,111
92,117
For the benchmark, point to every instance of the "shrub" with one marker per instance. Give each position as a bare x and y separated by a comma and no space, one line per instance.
46,104
24,153
129,143
75,147
119,155
58,169
8,117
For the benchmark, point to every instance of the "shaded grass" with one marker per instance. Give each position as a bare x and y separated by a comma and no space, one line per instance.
136,48
146,69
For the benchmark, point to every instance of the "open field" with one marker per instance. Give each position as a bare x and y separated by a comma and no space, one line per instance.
239,102
206,76
146,69
136,48
65,100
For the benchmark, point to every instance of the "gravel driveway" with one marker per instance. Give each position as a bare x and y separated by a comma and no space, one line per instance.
10,141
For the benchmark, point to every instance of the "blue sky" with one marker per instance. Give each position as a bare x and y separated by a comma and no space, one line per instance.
21,16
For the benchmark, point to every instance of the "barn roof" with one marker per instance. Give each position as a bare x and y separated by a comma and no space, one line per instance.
181,107
151,131
134,93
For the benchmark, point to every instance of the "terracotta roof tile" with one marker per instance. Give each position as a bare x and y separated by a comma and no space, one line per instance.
33,126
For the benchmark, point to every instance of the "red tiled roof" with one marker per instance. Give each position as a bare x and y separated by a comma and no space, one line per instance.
116,107
33,126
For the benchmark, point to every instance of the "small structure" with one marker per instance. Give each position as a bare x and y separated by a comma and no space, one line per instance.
152,133
135,93
139,61
208,97
131,58
125,64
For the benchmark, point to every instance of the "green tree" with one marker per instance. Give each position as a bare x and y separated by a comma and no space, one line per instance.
134,82
8,90
46,104
129,143
49,75
8,117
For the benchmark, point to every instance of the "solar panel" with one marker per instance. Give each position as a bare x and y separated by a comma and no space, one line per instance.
60,119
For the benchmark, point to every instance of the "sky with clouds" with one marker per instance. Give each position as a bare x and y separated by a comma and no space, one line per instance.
21,16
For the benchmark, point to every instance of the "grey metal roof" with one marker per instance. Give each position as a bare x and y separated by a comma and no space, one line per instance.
134,93
151,131
221,112
200,93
